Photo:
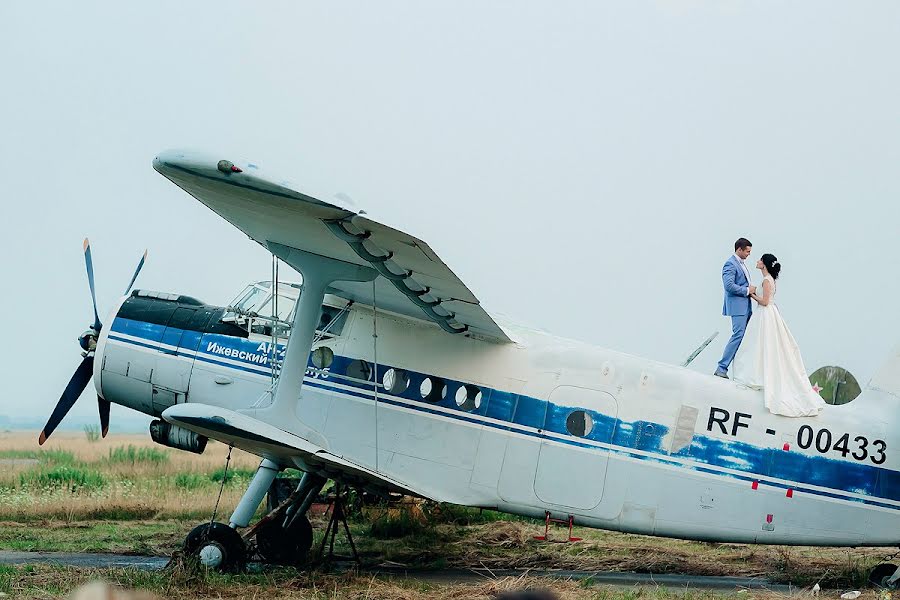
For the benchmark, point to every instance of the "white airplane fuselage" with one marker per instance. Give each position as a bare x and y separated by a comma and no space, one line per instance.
541,425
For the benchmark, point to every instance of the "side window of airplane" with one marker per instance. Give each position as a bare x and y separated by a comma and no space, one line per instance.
360,369
396,381
579,423
433,389
332,321
468,397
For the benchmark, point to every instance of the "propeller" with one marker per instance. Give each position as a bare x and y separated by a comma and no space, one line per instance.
84,372
73,390
89,264
136,271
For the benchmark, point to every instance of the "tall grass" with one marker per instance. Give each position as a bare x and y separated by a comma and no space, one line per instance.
73,478
393,525
91,433
121,476
7,575
132,455
190,481
50,456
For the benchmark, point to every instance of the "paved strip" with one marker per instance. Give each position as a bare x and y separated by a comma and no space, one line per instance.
448,576
83,559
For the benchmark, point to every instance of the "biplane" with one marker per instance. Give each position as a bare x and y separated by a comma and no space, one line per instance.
382,371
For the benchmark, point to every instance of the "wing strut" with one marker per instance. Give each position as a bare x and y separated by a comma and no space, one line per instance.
318,273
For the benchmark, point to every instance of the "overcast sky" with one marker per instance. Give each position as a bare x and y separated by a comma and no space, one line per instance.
584,167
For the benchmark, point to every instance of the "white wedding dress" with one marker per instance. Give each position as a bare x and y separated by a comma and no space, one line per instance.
769,359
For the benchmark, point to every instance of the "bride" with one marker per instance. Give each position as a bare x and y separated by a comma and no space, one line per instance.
769,358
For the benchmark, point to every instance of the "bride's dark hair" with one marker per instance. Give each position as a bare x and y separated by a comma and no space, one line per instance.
772,264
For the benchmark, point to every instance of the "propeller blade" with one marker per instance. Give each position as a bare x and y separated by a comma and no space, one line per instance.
90,273
136,271
76,385
103,405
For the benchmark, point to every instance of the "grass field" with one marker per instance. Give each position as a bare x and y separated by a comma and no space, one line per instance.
49,582
123,477
125,494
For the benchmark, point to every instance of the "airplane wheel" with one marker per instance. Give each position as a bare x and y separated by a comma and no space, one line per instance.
880,575
282,547
217,546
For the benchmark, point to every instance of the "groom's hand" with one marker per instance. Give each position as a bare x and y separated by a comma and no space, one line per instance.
752,290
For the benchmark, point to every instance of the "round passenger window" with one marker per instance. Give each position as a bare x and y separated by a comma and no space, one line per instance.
359,369
835,385
579,423
395,381
433,389
468,397
322,357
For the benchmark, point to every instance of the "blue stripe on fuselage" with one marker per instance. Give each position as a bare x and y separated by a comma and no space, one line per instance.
525,411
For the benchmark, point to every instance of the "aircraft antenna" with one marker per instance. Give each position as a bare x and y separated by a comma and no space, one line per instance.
375,361
702,347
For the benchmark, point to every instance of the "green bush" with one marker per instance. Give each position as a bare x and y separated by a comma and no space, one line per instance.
290,474
233,474
63,476
190,481
131,455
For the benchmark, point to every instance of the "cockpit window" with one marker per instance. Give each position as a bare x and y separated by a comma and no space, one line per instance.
285,308
252,300
256,300
253,307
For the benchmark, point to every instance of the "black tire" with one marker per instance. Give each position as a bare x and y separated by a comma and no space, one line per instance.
880,574
232,552
285,547
280,489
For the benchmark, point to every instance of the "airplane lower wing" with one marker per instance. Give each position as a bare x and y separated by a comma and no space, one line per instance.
262,439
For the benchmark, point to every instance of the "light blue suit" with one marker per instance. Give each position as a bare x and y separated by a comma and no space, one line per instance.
737,306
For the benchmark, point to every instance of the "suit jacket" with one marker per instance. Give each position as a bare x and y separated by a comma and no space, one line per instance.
737,302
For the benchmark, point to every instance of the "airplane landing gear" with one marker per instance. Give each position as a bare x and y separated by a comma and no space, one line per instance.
217,546
284,536
885,576
281,546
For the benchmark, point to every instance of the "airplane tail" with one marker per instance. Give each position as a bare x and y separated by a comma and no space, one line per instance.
887,378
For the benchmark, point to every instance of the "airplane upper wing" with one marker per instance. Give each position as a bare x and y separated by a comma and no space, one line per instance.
262,439
413,280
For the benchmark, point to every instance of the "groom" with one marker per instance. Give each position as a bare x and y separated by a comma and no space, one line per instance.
736,280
